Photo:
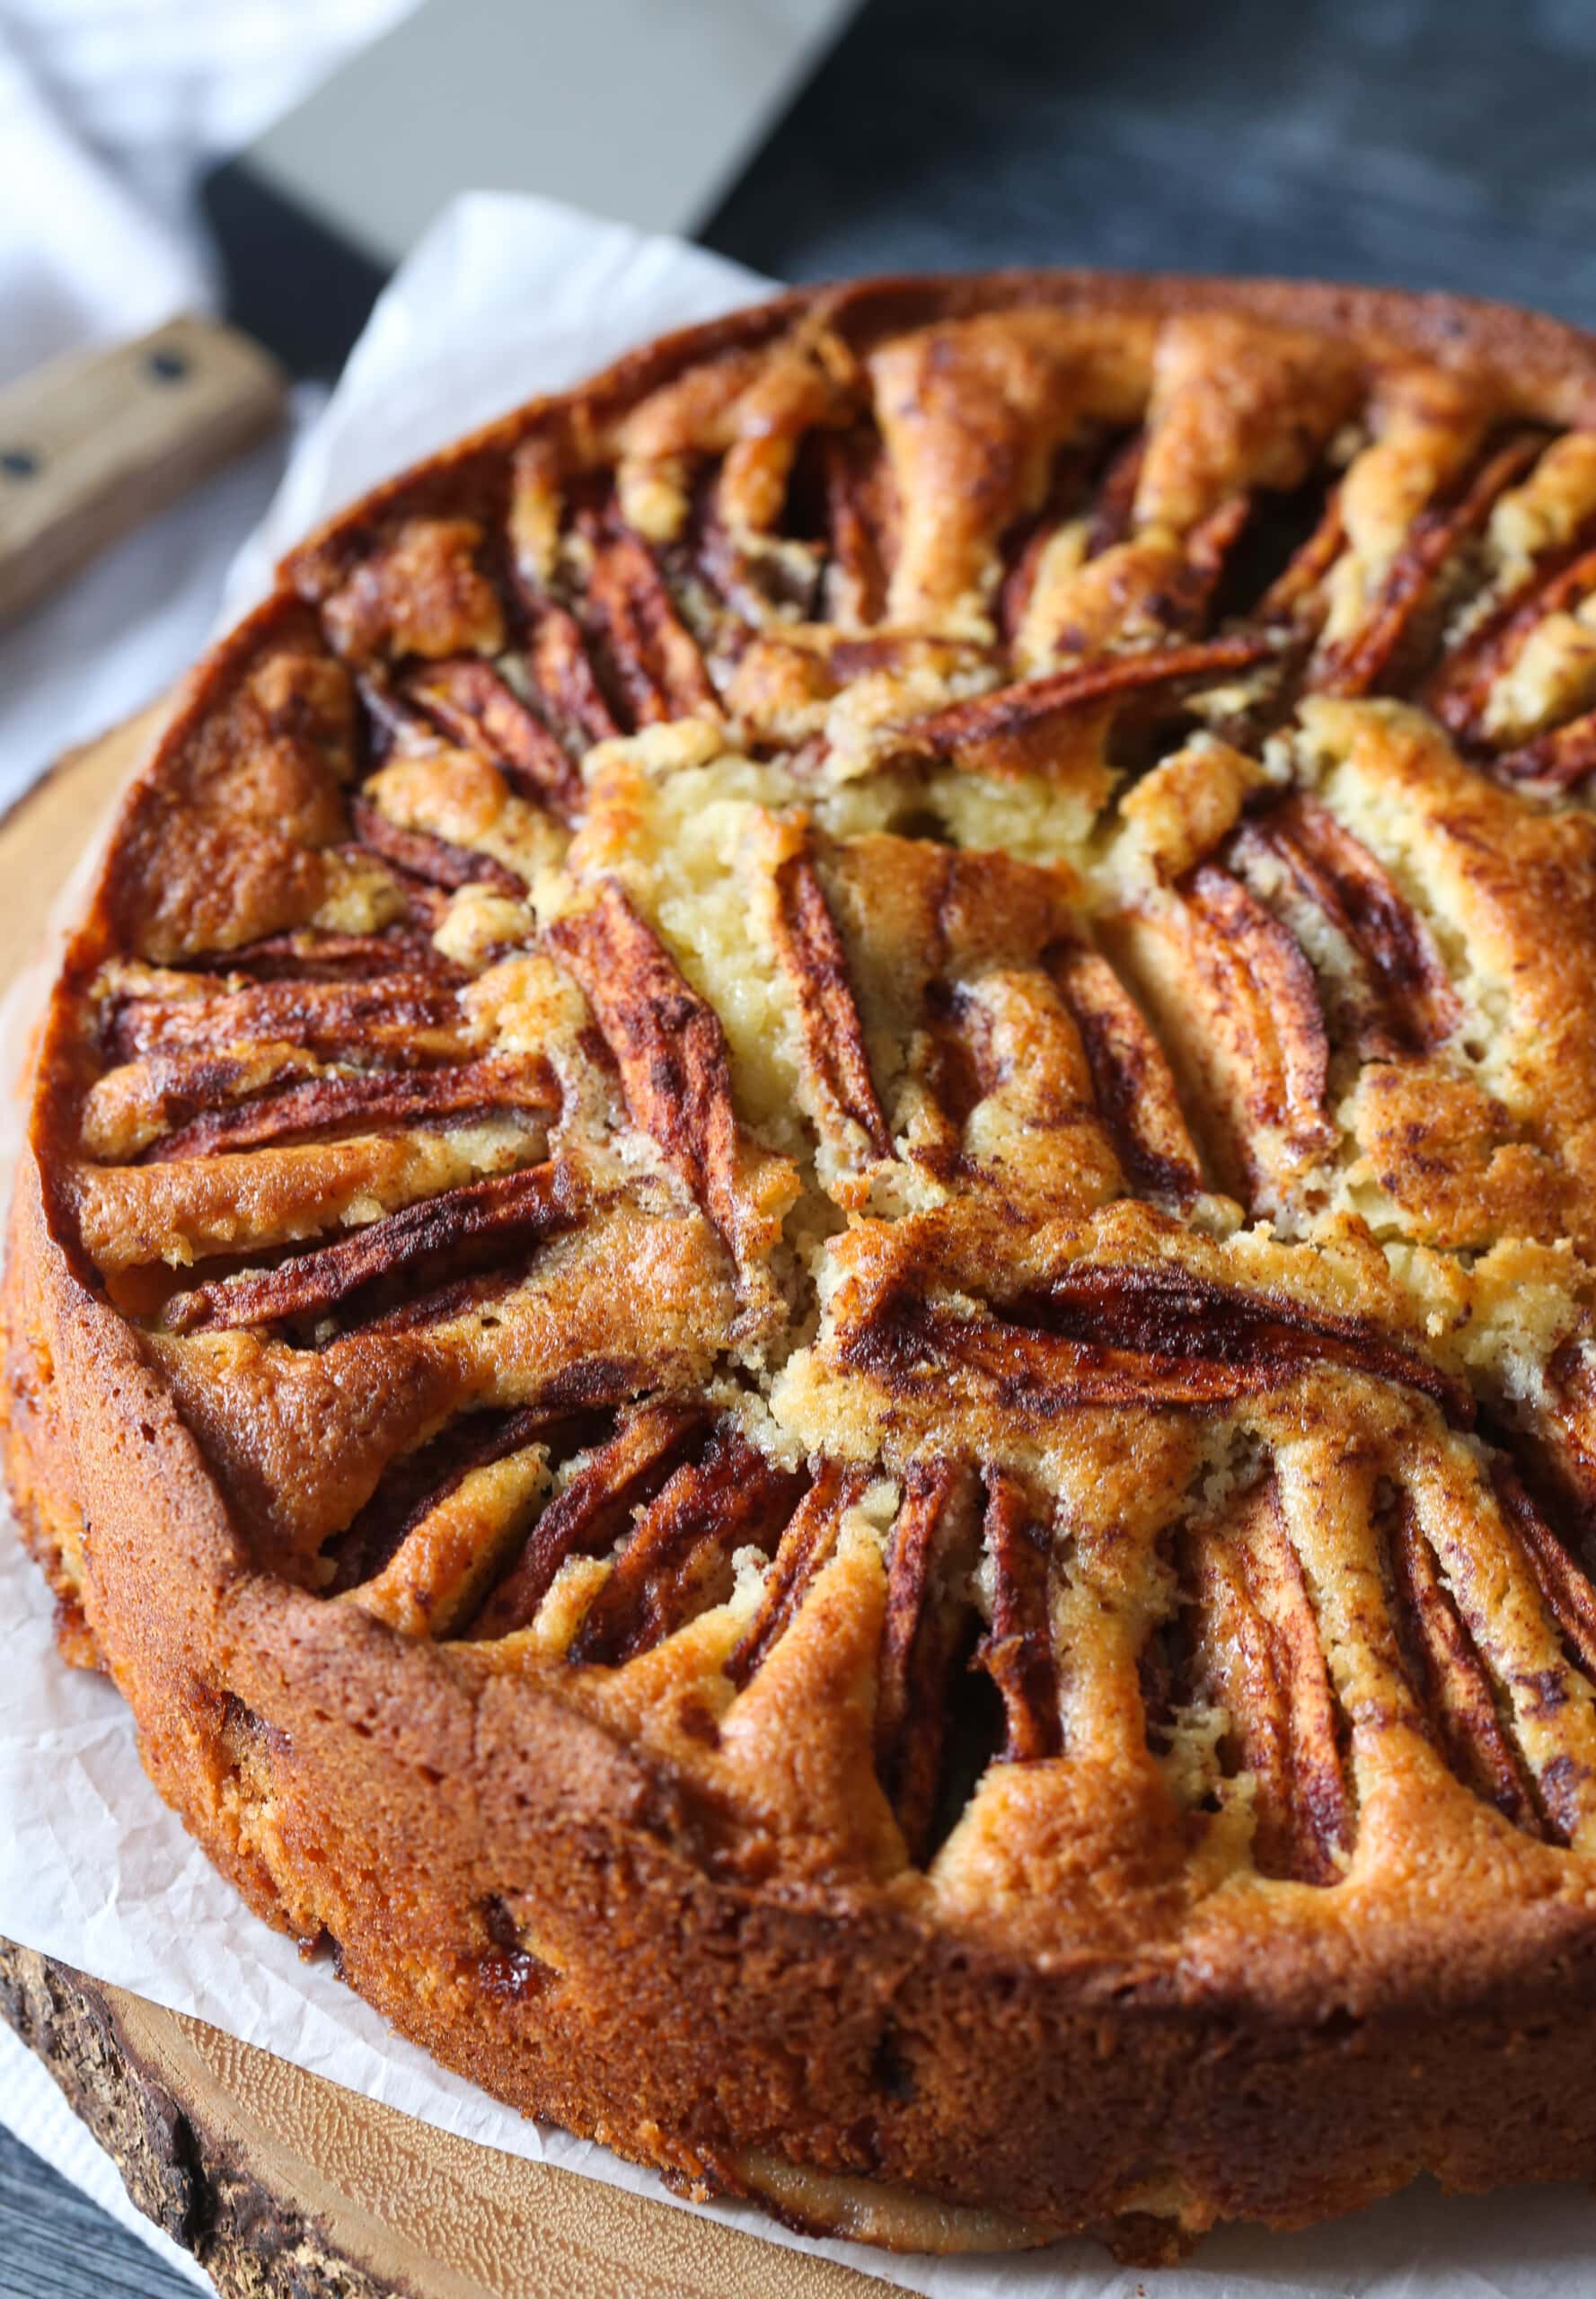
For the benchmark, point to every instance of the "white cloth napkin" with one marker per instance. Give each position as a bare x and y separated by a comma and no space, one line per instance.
503,299
106,108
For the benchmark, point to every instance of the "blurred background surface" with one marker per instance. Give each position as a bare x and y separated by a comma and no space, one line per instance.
1424,143
1419,142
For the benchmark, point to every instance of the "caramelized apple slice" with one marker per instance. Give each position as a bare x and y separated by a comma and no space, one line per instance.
1130,1078
671,1052
1019,1655
1569,1596
861,521
1408,1005
807,1547
678,1557
1525,1618
1459,692
414,1484
423,855
311,954
364,1098
590,1514
934,1547
470,702
563,676
1359,663
1234,992
653,656
1453,1689
503,1213
837,1070
1260,1655
1010,712
1127,1334
403,1019
1114,509
1295,596
1556,761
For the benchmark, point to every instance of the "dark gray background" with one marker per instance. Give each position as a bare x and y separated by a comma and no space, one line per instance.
1419,142
1414,143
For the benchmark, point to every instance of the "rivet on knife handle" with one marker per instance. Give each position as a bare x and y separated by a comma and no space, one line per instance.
96,442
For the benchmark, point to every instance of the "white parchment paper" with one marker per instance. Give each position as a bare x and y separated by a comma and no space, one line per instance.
504,299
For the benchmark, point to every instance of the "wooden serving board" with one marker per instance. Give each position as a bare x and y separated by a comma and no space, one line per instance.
280,2183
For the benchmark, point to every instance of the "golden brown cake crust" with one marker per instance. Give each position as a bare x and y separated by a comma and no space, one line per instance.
802,1285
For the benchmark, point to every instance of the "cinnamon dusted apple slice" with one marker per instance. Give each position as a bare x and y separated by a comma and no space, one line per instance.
1569,1597
1132,1080
1007,730
1120,1333
1258,1656
459,798
837,1091
1142,593
416,1480
1186,602
933,1550
670,1053
593,1510
503,1213
1472,690
1430,429
1001,1099
1560,1438
1401,998
1046,549
1236,407
807,1544
677,1558
962,959
316,955
1221,438
1235,997
422,854
652,656
861,522
365,1098
1555,761
1296,595
561,674
972,413
1114,512
747,409
401,1019
1519,1600
131,1106
1455,1693
1411,583
474,706
1018,1653
424,1573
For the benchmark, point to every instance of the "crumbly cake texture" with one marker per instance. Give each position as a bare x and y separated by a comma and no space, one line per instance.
803,1291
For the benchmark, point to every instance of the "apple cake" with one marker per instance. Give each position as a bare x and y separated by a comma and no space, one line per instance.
803,1285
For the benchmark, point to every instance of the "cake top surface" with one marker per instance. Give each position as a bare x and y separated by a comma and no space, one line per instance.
871,1050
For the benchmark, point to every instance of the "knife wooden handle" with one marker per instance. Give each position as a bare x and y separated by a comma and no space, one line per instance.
94,443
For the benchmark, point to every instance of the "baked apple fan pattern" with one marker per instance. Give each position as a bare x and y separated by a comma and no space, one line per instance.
805,1292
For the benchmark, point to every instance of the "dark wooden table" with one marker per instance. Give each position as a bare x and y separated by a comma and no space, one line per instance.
56,2244
1422,143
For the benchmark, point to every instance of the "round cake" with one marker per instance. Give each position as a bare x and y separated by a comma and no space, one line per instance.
803,1286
